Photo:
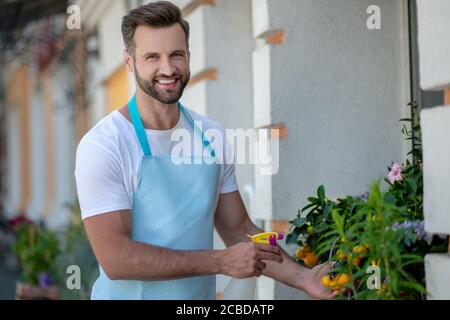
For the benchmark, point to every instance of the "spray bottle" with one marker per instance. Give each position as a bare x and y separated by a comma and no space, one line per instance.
245,289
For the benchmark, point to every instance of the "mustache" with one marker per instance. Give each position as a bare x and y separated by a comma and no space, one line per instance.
173,76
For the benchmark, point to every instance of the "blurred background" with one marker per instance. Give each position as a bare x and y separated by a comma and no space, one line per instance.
313,69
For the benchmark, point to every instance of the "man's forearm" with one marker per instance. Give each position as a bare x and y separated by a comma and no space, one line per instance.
139,261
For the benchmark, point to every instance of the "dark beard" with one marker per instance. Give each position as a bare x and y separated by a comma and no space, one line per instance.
149,87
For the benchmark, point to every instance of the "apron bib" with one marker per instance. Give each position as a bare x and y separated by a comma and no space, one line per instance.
173,207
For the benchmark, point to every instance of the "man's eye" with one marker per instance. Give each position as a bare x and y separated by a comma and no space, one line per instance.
151,57
178,55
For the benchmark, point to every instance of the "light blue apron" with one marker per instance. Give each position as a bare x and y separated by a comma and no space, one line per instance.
173,207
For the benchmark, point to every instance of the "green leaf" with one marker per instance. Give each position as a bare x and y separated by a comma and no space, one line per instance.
313,200
308,206
393,281
339,221
328,234
328,208
412,185
321,227
293,236
298,222
375,195
413,285
321,193
323,248
354,228
390,198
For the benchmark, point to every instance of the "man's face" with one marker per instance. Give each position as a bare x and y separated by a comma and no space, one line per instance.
161,62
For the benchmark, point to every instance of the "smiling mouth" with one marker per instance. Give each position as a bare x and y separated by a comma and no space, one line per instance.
167,83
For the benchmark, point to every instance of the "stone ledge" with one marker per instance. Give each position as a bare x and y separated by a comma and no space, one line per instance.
436,169
208,74
282,130
447,97
437,268
273,37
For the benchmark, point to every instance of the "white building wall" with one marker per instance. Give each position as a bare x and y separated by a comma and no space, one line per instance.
436,159
95,91
63,148
437,276
434,46
110,37
35,209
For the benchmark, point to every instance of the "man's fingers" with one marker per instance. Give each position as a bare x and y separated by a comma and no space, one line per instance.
260,265
332,295
268,248
325,268
328,295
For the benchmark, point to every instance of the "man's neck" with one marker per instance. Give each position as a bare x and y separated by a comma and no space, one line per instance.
154,114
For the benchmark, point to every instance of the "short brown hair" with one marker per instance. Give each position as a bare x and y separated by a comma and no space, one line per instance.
155,14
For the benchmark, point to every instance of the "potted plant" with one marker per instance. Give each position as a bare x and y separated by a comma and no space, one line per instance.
380,231
36,249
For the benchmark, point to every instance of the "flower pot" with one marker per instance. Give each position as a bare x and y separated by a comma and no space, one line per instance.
26,291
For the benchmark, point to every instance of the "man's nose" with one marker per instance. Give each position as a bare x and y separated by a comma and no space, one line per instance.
166,68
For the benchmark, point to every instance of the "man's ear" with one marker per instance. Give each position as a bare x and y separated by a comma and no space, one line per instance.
128,59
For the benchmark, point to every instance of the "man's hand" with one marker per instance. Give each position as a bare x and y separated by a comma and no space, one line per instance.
311,282
243,260
233,224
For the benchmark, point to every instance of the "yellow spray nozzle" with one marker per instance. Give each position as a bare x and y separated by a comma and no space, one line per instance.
267,237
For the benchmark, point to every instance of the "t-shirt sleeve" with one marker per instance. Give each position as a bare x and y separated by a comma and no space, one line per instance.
229,183
99,180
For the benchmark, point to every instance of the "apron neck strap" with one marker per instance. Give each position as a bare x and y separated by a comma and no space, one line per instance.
139,126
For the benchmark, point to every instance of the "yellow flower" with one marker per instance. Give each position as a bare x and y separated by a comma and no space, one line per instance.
340,255
326,280
359,249
311,259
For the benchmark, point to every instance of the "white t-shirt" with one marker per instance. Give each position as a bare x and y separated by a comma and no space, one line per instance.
108,160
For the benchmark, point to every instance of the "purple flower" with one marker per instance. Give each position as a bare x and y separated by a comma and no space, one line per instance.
45,280
395,174
418,226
